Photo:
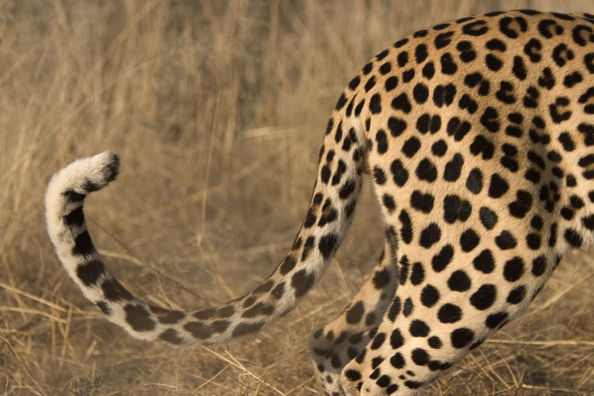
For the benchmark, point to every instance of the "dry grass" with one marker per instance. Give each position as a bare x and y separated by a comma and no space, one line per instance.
217,109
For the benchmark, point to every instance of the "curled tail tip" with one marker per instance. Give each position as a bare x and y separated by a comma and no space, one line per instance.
86,175
110,165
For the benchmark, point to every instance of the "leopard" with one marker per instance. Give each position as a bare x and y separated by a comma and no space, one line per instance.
478,136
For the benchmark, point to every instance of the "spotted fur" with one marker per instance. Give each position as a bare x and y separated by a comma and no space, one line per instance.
478,134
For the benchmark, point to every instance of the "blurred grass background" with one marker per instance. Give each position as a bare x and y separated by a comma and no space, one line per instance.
217,109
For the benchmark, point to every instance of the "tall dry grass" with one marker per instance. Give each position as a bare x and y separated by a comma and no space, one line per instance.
217,109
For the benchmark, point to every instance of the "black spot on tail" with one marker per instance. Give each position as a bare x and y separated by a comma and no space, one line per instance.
246,328
198,330
139,318
171,336
302,281
89,273
73,196
167,316
75,218
83,244
328,244
114,291
102,305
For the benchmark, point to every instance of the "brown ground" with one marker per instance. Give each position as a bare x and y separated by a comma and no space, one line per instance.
217,109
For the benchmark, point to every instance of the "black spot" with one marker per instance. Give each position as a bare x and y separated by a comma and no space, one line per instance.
421,53
402,103
434,342
406,231
402,58
287,265
396,339
83,245
341,102
505,93
474,182
467,52
521,205
484,262
388,202
399,173
420,93
375,104
476,28
139,318
354,83
379,175
493,62
467,103
381,279
417,275
430,236
505,240
440,261
429,296
418,328
246,328
448,66
554,110
469,240
377,342
347,189
397,361
455,208
461,337
516,295
171,335
396,126
444,95
484,297
572,79
539,265
328,244
439,148
449,313
102,305
573,237
498,186
394,309
302,281
408,307
532,49
353,375
422,202
482,145
494,320
420,357
459,281
513,269
488,218
429,70
453,168
519,69
426,171
411,146
408,75
90,272
204,314
443,40
258,309
561,54
114,291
